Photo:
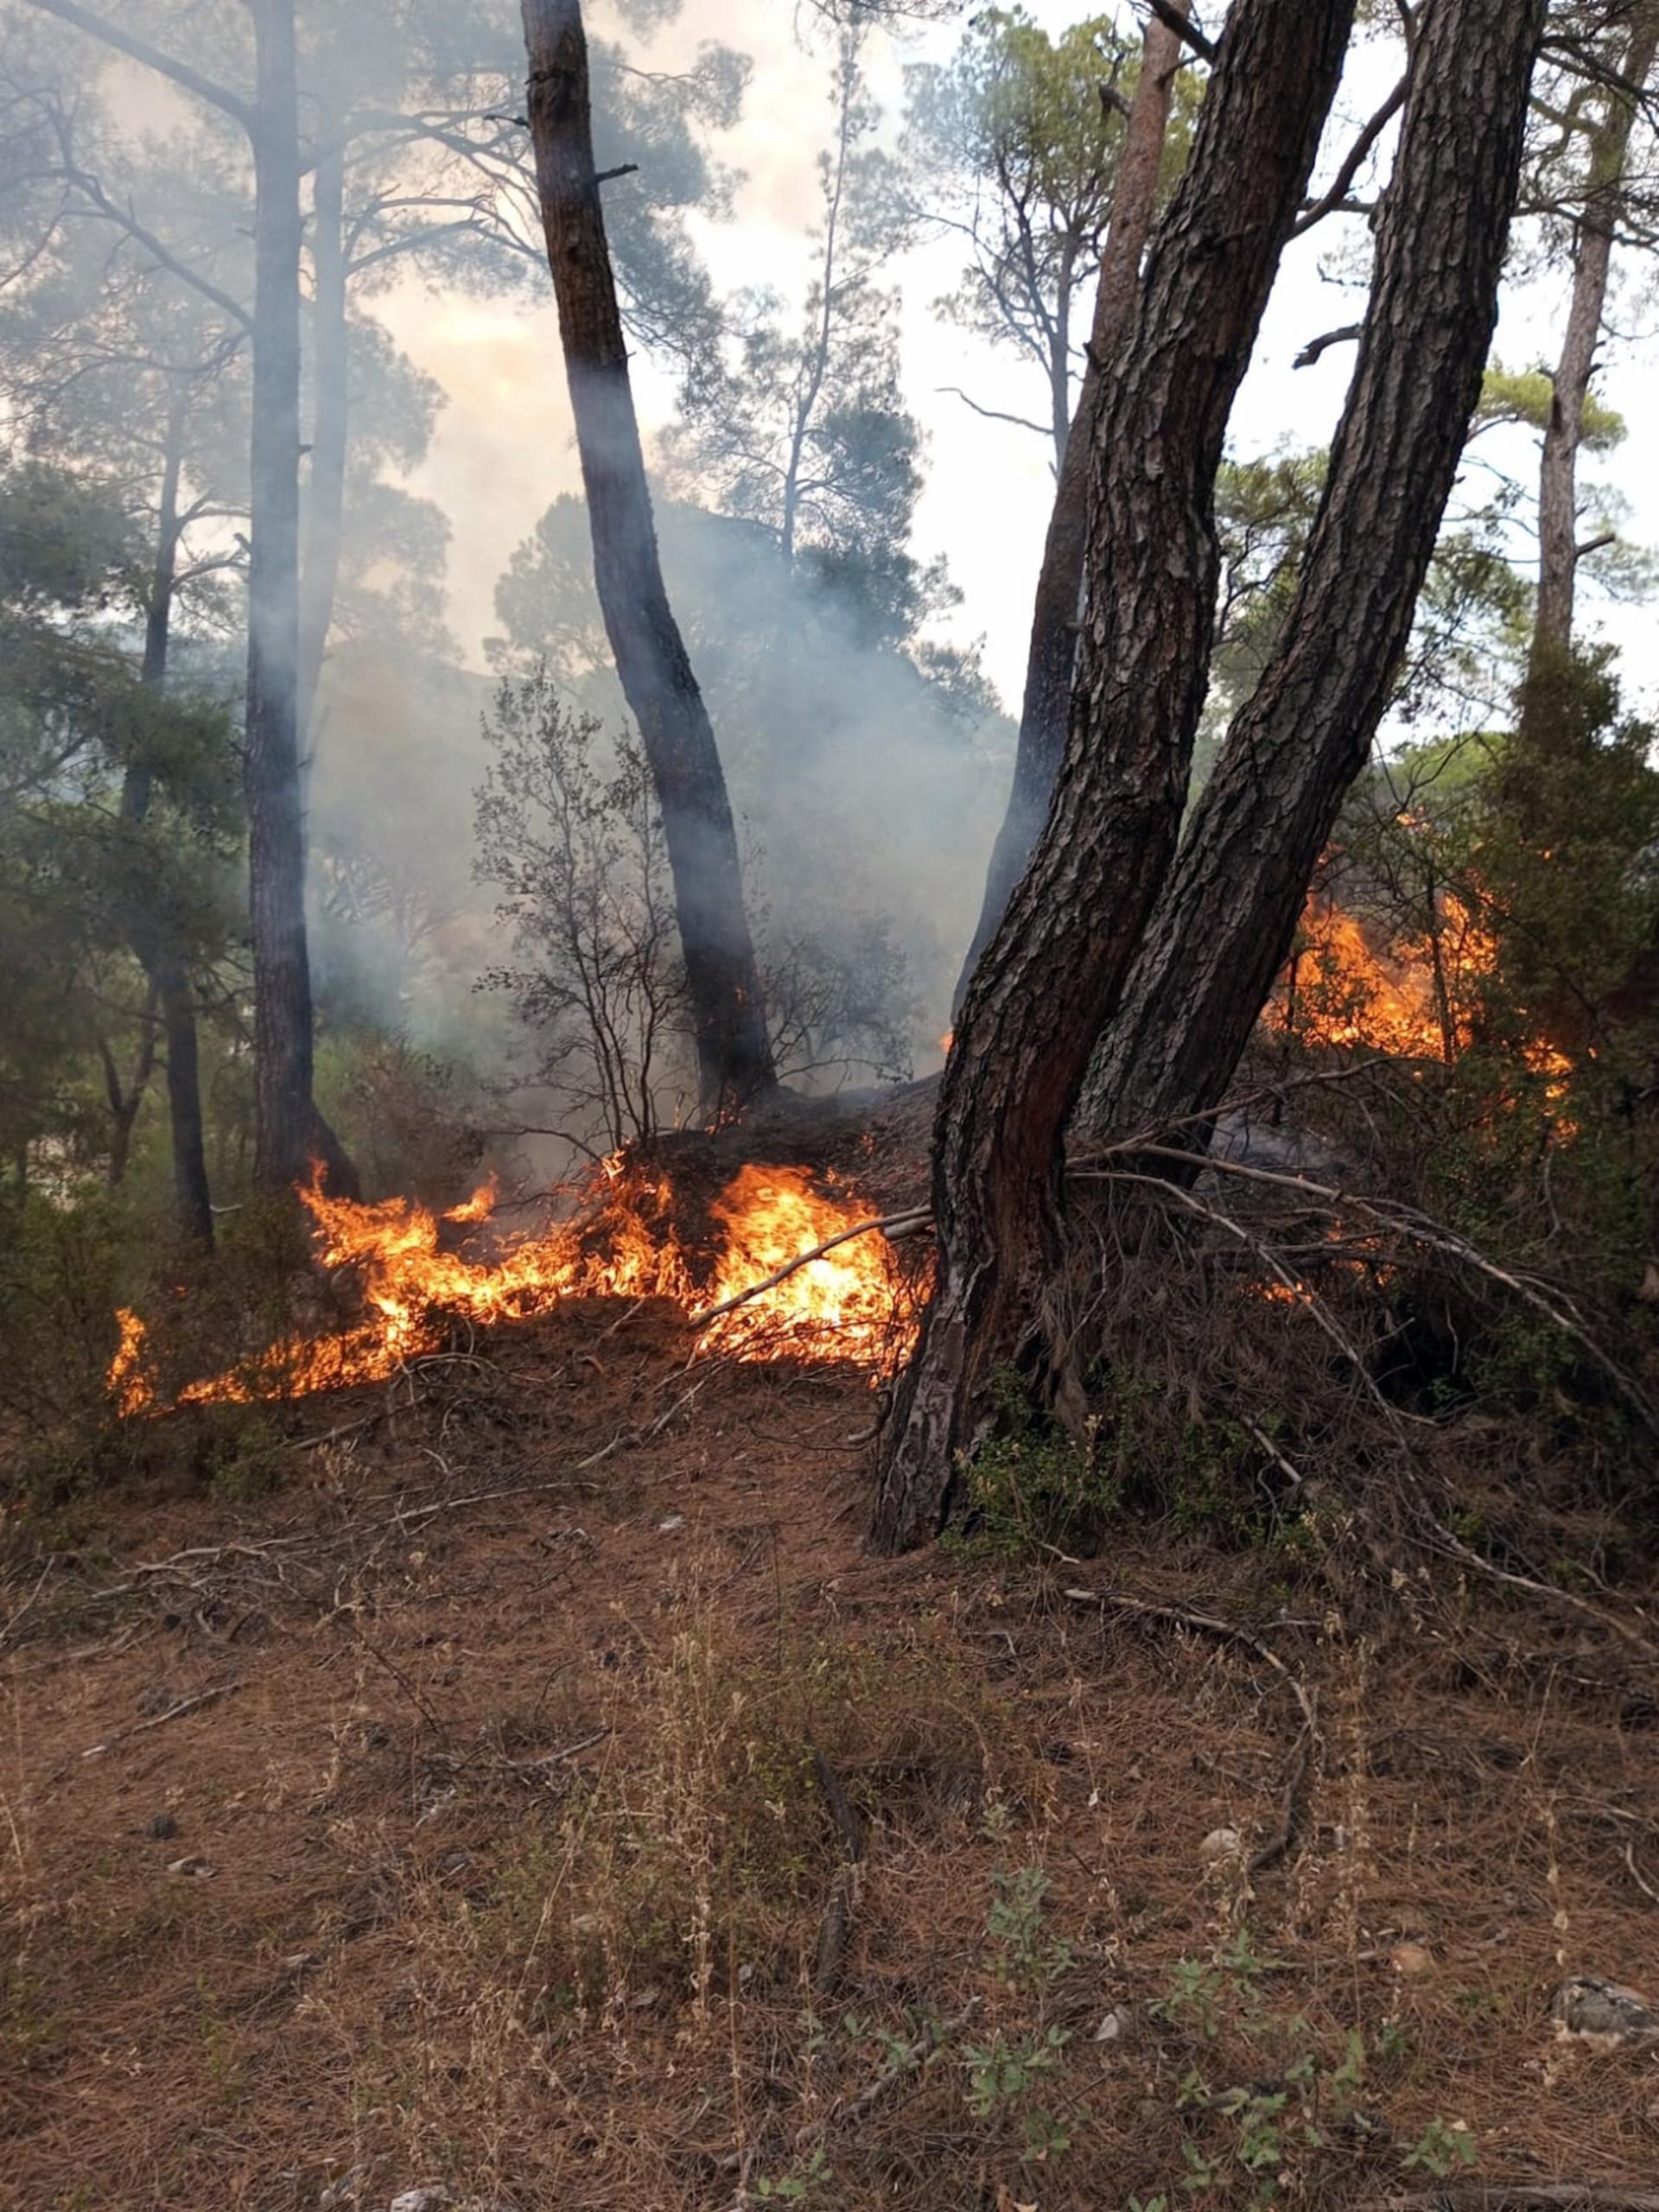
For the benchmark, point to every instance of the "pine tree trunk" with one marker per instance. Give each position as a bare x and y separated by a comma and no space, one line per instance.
1227,917
1052,972
734,1057
331,411
1052,653
159,957
1558,505
288,1132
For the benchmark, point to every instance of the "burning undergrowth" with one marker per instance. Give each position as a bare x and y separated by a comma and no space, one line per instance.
744,1262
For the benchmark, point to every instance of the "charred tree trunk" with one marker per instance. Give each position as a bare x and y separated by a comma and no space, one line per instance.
153,946
331,410
1228,914
733,1056
289,1132
1558,504
1052,972
1052,653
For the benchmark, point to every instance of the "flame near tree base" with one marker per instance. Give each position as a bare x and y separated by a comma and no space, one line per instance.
852,1303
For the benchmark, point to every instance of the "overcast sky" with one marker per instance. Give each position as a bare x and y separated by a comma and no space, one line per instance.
504,444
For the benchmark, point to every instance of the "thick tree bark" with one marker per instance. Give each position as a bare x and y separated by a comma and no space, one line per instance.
1052,972
289,1132
1227,916
330,415
1608,154
1052,653
152,946
734,1057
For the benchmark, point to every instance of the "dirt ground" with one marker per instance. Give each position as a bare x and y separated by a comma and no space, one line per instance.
536,1796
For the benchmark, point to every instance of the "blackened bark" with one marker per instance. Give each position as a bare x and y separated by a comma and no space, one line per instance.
1051,974
152,944
330,414
1592,257
734,1057
289,1132
1227,916
1052,653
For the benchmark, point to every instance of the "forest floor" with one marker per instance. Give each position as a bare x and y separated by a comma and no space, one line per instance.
537,1798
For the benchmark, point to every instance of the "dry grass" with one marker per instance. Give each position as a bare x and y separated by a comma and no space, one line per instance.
517,1863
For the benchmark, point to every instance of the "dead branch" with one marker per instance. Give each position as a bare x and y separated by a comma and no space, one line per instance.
1187,32
891,1225
174,1712
1418,1229
1349,335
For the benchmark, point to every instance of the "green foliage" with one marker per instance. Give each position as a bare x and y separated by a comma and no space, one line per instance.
1288,2130
1526,395
1030,1486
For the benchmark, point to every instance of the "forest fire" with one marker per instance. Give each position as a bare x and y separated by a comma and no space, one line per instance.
852,1303
1415,1003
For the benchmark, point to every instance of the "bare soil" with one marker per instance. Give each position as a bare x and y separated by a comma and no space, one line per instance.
476,1811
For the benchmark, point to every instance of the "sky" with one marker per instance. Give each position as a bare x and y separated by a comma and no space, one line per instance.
504,445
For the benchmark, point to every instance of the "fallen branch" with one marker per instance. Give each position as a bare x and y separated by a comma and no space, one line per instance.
892,1226
1206,1624
174,1712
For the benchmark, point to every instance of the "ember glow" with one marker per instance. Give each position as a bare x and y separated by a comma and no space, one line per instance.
416,1281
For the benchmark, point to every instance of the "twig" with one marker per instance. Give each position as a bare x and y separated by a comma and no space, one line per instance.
174,1712
1637,1875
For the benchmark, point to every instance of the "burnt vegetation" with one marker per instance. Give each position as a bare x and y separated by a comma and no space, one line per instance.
765,1437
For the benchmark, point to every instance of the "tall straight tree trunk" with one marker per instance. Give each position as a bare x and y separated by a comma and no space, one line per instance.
154,948
1608,154
1229,912
331,409
1052,653
289,1132
1052,973
734,1057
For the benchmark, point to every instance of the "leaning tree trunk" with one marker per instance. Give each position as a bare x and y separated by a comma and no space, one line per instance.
734,1057
154,946
1558,505
1229,912
290,1132
1052,972
1051,652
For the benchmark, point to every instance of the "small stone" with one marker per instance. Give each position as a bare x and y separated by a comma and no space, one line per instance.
673,1521
1114,2027
1604,2014
163,1828
432,2199
1411,1960
1221,1843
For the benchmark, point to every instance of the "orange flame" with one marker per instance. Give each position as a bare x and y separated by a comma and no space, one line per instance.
850,1304
1416,1003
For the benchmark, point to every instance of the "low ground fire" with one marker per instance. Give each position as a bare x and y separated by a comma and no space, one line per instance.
418,1283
